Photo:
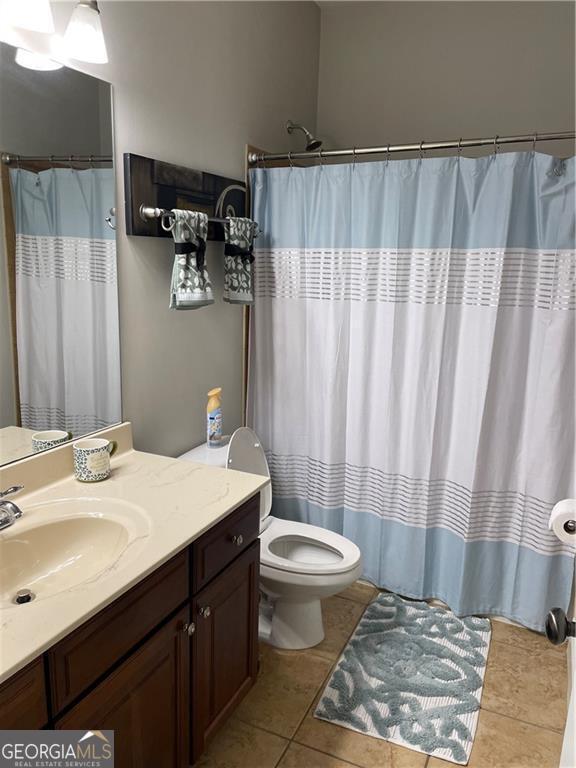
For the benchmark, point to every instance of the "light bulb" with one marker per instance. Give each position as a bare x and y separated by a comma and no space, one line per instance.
35,15
84,39
35,61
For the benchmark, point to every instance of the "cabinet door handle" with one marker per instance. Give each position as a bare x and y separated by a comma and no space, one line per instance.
238,540
189,628
205,612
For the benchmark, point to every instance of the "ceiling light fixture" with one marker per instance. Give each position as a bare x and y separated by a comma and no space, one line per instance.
35,15
36,61
84,39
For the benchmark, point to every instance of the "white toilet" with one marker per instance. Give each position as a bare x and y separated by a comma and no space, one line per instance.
300,564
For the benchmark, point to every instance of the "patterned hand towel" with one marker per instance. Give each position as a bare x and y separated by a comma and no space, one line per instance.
239,235
191,287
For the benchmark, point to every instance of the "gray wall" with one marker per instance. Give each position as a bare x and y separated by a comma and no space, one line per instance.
193,83
405,71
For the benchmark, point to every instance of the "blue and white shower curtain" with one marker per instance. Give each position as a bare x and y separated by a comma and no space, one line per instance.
412,369
66,299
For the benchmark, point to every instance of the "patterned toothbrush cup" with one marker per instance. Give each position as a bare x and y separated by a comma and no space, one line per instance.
92,459
50,438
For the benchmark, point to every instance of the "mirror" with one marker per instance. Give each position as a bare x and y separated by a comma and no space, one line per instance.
59,338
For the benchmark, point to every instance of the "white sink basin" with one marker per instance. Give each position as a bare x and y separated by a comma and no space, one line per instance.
59,545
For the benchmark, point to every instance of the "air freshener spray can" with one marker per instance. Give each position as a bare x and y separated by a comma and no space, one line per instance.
214,418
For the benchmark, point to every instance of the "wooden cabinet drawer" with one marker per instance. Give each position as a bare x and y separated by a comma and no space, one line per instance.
213,551
85,655
23,699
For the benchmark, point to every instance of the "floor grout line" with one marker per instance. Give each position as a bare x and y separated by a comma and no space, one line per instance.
552,650
328,754
352,600
286,748
524,722
262,728
557,650
316,692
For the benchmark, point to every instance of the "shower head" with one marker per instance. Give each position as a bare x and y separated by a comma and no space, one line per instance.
312,142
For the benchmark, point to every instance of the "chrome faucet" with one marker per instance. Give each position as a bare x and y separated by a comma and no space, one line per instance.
9,512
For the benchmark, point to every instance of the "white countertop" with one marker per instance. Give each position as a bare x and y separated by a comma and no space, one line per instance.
15,443
180,500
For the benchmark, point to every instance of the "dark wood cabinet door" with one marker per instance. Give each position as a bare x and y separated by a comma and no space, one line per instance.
225,644
23,699
146,702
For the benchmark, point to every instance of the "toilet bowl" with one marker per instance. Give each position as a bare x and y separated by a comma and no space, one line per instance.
300,564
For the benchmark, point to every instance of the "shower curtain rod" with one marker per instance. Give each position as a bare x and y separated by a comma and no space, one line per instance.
423,146
8,159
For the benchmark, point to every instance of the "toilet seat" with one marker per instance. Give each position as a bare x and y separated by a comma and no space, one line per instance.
301,548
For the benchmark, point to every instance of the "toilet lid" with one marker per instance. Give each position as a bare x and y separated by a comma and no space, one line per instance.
245,454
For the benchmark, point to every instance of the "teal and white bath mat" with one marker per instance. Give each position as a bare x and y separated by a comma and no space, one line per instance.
411,674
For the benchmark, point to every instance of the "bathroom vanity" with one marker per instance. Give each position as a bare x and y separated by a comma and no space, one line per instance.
166,661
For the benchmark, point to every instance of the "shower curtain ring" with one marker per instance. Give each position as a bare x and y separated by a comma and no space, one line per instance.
459,146
91,162
534,140
290,159
421,151
495,145
353,157
388,153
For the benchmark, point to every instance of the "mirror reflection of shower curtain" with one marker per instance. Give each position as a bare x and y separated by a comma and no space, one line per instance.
412,369
66,299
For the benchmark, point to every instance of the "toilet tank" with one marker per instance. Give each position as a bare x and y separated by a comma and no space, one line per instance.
202,454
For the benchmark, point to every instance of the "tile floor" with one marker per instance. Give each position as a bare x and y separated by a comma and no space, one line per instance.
520,726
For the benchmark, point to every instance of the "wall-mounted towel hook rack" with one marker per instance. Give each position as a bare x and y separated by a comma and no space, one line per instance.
154,188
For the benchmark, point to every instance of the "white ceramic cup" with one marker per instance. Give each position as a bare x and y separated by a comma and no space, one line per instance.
50,438
92,459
